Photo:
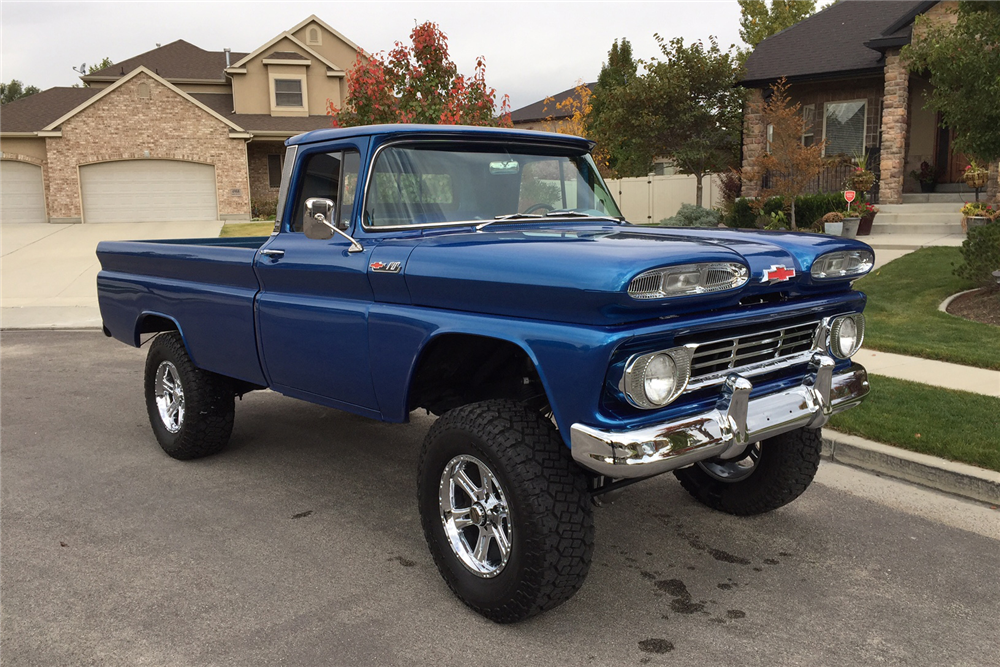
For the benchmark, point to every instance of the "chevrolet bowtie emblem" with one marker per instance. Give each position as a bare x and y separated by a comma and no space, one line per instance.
385,267
777,273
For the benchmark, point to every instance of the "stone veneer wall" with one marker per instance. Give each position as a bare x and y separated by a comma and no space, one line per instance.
894,127
123,126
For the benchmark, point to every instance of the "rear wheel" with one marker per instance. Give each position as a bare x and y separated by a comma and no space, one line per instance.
191,410
770,473
505,511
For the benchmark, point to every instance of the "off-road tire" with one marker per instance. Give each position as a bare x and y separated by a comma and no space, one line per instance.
209,402
787,465
551,517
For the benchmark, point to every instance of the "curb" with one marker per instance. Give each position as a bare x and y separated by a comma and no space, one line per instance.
929,471
943,306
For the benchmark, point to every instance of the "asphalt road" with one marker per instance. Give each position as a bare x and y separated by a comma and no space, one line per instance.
300,545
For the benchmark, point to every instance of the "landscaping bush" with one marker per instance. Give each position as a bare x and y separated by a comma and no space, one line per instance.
981,255
264,208
690,215
808,209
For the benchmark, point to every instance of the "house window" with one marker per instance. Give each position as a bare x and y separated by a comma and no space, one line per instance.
288,93
844,127
313,37
274,171
808,124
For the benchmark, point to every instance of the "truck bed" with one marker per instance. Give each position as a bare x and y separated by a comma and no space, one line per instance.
199,284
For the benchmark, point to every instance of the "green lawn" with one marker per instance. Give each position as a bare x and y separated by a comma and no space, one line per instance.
246,229
949,424
903,315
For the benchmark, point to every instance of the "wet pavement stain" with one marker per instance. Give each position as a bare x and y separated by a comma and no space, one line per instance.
682,602
725,587
718,554
736,613
770,561
405,562
647,575
656,646
302,515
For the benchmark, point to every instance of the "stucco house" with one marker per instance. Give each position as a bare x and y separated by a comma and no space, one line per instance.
176,133
843,65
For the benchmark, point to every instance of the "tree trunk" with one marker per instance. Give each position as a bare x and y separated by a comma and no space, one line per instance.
698,189
794,227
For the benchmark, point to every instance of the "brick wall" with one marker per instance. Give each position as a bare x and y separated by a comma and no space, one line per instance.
754,139
257,152
124,126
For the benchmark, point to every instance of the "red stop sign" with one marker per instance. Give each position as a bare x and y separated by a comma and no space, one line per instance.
849,196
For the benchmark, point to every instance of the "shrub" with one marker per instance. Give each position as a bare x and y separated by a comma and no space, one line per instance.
981,255
690,215
730,185
808,209
833,216
264,208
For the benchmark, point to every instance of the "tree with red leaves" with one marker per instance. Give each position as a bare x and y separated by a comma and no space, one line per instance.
418,84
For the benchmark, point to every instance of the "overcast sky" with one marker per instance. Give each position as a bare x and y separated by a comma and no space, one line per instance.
532,49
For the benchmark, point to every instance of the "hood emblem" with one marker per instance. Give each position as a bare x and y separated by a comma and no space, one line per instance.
385,267
777,273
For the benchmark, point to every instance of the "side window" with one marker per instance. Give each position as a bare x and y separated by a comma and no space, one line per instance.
332,176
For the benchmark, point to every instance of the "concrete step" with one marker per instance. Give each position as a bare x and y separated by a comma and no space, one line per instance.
939,197
946,207
924,228
890,217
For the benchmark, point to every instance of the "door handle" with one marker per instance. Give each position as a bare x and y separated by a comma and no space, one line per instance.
274,254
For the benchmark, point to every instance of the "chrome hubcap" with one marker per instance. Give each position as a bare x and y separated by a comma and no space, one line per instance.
733,470
169,396
475,516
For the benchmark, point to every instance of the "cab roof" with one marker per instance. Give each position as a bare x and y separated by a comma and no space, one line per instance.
447,131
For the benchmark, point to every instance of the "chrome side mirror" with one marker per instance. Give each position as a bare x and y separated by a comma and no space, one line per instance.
317,225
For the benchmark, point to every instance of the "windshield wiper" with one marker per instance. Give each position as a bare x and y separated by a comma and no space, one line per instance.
567,213
510,217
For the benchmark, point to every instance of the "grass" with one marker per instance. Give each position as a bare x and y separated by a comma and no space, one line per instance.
246,229
954,425
903,315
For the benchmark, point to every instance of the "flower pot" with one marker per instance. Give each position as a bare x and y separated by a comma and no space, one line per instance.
862,181
865,228
850,227
927,187
976,221
976,179
833,228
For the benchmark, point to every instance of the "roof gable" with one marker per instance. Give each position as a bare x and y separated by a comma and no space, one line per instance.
547,109
34,112
240,64
833,41
318,21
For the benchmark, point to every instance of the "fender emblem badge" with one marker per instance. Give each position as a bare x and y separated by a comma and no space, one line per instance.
777,273
385,267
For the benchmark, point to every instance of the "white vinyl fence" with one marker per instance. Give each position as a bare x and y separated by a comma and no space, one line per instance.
645,200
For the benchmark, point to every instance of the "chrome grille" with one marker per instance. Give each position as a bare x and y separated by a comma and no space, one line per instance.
647,283
733,353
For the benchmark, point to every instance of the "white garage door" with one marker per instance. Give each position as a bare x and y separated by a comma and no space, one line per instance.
148,191
22,197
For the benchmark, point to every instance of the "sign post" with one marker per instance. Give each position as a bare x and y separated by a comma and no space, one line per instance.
849,196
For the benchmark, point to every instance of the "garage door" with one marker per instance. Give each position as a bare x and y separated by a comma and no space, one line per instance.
22,197
148,191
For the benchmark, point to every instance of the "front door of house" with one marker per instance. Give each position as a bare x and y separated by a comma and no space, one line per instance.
951,163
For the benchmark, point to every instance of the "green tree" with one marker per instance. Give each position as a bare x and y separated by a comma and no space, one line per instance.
622,154
758,21
418,84
963,64
15,90
99,66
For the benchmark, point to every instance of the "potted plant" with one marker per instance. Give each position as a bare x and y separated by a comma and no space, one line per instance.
866,212
833,223
975,176
977,214
927,176
861,179
852,220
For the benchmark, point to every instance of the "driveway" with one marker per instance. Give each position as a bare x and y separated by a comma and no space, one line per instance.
49,272
301,545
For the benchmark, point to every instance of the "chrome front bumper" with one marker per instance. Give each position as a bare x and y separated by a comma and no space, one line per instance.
725,431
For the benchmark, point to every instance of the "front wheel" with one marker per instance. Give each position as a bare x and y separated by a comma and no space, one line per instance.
770,473
191,410
505,511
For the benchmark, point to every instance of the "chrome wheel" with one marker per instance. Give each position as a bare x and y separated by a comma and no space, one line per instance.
475,515
169,396
733,470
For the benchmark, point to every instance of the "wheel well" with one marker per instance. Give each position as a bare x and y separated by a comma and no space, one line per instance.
153,324
458,369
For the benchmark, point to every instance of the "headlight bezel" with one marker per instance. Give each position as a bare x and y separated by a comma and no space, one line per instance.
633,383
712,277
834,343
856,263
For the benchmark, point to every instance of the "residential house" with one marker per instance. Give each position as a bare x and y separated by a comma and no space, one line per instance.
843,65
176,133
550,114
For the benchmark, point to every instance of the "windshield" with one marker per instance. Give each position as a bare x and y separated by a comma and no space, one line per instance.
437,183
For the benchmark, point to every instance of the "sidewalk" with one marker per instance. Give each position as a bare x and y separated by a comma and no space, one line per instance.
935,373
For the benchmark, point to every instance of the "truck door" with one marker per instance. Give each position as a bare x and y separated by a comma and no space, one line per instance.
312,310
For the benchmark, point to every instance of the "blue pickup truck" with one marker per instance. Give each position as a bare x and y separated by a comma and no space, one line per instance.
488,277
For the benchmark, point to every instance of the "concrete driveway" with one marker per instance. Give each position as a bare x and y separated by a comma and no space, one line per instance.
300,545
49,272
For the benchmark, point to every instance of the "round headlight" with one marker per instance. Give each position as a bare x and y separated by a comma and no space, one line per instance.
659,379
846,335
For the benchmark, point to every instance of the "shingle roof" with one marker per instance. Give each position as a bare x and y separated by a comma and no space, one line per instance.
32,113
222,104
285,55
542,110
177,60
832,42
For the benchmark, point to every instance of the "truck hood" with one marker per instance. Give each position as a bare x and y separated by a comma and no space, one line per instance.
580,273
